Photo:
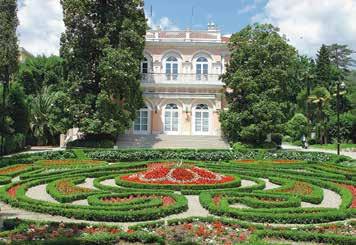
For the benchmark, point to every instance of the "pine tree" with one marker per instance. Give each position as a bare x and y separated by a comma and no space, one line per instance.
324,68
341,56
102,49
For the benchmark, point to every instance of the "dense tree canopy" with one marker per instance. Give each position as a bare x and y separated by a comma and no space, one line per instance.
263,84
38,72
102,48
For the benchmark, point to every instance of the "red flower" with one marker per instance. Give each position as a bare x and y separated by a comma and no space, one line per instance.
182,174
12,191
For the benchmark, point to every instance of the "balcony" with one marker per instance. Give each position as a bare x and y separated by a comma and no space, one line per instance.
181,79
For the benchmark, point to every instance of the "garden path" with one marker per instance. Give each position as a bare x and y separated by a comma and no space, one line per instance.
298,148
39,193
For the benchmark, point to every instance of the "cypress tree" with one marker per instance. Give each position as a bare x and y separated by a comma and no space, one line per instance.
8,57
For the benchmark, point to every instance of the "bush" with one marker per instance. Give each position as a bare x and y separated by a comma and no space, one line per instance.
88,143
297,126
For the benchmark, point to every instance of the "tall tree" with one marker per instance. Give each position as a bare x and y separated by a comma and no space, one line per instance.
261,78
324,68
102,49
341,56
8,55
40,71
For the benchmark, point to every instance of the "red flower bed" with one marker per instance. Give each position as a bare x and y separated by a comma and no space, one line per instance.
353,191
12,191
198,232
182,174
156,173
204,173
167,174
13,169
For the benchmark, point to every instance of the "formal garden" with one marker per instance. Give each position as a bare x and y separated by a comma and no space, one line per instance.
97,196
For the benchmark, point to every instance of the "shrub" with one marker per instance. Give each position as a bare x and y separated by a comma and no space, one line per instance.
87,143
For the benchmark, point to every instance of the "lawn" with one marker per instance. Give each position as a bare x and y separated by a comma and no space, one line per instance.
334,146
180,196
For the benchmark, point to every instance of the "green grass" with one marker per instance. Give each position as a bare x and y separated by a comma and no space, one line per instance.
334,146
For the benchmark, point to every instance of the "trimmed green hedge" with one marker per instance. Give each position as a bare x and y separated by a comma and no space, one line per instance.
209,155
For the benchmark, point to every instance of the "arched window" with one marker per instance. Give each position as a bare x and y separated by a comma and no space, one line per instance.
202,68
171,119
141,124
144,66
201,119
172,68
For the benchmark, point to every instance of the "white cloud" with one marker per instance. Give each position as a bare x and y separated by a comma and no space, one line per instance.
248,7
40,26
163,23
310,23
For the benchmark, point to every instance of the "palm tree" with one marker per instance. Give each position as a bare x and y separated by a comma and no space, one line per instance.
320,96
41,107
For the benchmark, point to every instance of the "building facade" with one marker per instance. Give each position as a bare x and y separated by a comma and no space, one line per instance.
183,92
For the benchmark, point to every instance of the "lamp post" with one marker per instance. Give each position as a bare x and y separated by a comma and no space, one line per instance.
339,86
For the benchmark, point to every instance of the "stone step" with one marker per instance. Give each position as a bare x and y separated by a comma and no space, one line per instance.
172,141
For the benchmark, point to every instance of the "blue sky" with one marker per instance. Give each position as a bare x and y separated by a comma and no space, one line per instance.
306,23
230,15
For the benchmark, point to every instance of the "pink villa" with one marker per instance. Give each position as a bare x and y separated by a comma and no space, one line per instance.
183,92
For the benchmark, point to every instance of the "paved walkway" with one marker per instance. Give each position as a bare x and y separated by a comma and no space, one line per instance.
311,149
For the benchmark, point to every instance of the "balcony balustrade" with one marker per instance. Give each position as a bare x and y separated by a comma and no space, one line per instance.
180,78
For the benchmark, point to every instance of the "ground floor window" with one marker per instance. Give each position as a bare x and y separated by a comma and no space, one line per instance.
141,123
171,118
201,119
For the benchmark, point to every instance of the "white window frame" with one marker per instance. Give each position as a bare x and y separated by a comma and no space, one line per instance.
202,61
171,60
201,132
170,132
143,132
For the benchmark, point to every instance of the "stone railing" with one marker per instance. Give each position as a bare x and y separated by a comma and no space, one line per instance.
181,78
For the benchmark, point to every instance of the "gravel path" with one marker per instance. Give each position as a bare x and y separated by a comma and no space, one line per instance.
89,183
39,193
298,148
245,183
81,202
194,209
270,185
331,200
109,182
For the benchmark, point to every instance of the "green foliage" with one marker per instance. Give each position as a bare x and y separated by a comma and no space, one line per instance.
320,97
323,67
16,115
102,48
42,106
297,127
88,143
8,39
38,72
341,56
347,127
208,155
261,76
